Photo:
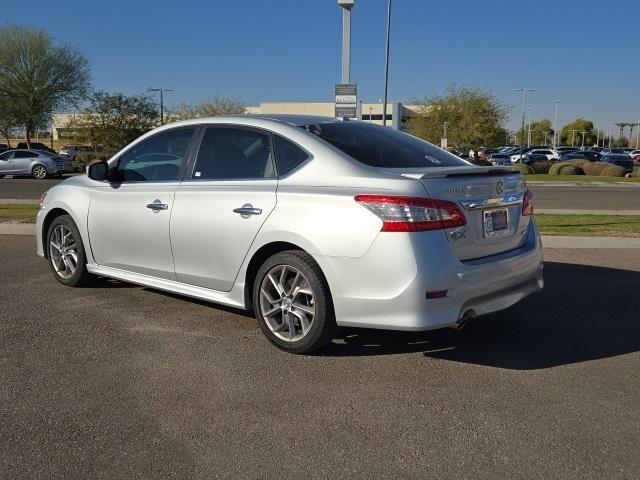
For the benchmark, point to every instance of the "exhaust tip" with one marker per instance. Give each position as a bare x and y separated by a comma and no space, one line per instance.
462,321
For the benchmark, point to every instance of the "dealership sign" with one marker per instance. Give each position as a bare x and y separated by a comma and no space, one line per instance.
346,100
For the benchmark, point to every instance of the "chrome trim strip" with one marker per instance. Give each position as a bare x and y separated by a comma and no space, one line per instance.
504,201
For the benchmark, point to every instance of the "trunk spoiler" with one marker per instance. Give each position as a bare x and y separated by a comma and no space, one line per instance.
442,172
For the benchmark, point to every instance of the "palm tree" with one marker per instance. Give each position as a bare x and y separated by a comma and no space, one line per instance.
621,125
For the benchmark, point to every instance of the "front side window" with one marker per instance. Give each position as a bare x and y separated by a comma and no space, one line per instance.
159,158
239,153
383,147
24,154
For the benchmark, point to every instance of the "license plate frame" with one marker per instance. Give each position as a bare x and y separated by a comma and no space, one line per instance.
495,217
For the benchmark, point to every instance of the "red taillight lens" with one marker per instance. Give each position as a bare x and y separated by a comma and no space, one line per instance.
527,203
412,214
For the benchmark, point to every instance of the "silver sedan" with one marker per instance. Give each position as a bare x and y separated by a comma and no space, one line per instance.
35,163
311,222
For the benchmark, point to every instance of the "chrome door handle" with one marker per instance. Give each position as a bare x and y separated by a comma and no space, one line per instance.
247,210
157,206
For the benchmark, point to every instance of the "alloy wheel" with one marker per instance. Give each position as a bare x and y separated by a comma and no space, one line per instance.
39,172
287,303
63,251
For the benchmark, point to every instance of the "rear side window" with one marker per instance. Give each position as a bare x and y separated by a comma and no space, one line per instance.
229,152
385,147
288,155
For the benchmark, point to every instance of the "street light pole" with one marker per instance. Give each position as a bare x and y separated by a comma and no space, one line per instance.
555,126
524,104
529,135
386,65
638,137
597,137
573,137
583,134
610,127
161,90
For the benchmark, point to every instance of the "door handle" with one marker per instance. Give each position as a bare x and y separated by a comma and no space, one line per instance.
157,206
247,210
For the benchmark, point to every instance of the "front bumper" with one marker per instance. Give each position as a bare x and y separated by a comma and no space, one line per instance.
386,288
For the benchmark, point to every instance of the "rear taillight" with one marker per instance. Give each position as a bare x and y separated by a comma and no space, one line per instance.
527,203
412,214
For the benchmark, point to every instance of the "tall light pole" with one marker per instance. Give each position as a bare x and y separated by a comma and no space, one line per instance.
597,137
555,125
583,134
573,137
386,65
161,90
529,135
346,5
638,137
610,127
524,103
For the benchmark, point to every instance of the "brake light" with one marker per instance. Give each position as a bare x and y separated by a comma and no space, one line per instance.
527,203
412,214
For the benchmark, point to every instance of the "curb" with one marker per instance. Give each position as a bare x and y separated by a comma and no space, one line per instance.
19,201
573,242
563,211
17,228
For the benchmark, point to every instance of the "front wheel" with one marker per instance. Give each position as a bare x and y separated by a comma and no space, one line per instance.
67,257
293,303
39,172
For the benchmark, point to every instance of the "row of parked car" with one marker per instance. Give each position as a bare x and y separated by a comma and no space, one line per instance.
509,155
39,161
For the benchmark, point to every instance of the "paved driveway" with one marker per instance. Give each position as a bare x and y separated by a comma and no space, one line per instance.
118,381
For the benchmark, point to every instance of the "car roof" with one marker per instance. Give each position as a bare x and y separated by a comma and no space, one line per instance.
291,119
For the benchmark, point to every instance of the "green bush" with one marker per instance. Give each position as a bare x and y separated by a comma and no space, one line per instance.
565,168
595,168
523,169
612,171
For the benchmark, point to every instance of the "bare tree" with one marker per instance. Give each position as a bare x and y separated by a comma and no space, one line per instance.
211,107
39,75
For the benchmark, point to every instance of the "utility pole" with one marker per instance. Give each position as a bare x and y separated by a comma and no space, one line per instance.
386,65
161,90
524,103
555,126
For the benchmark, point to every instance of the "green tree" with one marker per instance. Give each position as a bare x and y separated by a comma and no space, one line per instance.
573,131
111,121
8,122
538,131
211,107
39,75
475,118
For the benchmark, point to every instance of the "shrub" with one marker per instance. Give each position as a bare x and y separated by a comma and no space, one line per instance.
565,168
523,169
595,168
612,171
541,166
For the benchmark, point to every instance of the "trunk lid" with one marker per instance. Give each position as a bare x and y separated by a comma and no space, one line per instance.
489,197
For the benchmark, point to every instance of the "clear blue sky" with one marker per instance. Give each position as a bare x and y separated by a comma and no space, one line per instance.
585,53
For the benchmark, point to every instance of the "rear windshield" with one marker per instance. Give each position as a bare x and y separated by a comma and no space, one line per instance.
385,147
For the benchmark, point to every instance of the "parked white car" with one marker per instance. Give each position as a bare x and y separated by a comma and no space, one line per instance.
550,154
310,222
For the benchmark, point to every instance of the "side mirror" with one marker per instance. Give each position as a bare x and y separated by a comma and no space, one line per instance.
98,171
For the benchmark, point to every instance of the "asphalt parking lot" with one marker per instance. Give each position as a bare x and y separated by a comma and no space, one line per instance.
119,381
583,197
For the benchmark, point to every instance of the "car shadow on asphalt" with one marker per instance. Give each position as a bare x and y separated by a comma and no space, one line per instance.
584,313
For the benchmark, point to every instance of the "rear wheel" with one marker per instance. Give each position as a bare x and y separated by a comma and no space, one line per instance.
39,172
67,257
293,303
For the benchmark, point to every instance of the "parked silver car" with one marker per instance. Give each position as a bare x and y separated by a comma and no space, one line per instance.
311,222
36,163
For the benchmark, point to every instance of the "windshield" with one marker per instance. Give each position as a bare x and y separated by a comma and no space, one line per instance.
385,147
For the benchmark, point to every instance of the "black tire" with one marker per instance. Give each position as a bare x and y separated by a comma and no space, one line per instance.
81,275
36,172
323,328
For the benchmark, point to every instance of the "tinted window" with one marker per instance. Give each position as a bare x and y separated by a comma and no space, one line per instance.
288,155
159,158
228,152
379,146
25,155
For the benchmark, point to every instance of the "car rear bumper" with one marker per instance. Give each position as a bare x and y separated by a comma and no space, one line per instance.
386,288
